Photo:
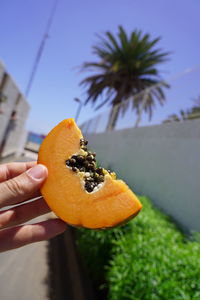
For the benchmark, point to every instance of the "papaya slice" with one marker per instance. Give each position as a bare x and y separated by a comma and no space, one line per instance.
77,191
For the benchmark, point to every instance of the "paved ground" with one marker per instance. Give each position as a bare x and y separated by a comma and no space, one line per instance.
24,271
28,156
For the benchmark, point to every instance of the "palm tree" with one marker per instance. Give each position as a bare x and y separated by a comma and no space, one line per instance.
188,114
126,66
197,102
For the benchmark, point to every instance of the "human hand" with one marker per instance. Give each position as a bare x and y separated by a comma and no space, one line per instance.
20,182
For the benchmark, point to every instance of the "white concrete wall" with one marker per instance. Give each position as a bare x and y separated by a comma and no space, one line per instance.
162,162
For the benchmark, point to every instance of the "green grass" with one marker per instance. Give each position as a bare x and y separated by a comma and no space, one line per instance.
149,258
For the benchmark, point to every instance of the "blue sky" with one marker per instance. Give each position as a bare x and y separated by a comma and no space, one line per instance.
72,35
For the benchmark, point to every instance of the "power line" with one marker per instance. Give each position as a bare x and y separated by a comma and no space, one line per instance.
41,48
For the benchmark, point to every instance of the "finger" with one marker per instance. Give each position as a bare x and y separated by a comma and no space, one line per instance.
10,170
23,213
22,235
22,187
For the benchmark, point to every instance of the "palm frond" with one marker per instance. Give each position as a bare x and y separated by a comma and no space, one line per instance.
113,41
123,38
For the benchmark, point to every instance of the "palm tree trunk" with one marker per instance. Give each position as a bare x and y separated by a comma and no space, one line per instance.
114,113
144,100
113,117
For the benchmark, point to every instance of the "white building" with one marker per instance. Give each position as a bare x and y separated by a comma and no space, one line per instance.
13,114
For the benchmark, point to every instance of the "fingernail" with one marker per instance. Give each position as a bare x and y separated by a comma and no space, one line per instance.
37,172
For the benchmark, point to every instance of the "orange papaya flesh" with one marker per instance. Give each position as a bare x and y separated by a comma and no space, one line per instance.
95,202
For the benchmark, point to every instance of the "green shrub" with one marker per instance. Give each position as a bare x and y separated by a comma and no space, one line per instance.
154,261
95,247
147,259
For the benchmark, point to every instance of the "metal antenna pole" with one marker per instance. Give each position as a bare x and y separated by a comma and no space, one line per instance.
41,48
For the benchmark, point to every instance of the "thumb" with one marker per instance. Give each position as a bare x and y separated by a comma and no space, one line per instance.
22,187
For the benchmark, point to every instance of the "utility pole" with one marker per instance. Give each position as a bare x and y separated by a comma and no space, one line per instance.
41,48
78,109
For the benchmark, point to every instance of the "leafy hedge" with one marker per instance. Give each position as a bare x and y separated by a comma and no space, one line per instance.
149,258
